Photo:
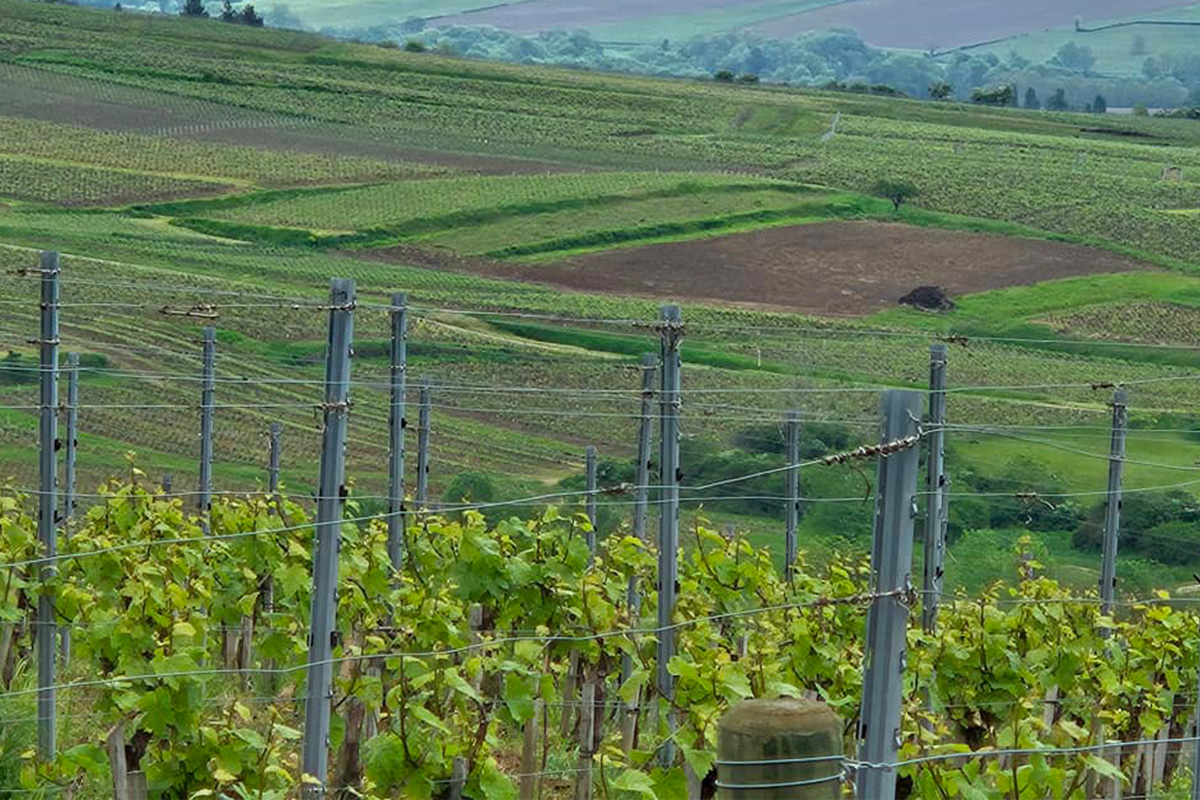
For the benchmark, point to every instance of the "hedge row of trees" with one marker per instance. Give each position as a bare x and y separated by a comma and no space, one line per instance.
246,15
827,58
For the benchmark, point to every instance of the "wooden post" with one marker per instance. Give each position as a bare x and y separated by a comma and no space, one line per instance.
587,742
531,784
114,743
788,747
458,778
570,685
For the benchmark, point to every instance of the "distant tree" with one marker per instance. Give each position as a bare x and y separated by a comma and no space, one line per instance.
193,8
1000,96
1100,105
940,90
415,46
250,17
1140,110
117,7
227,12
1031,99
1074,57
665,46
897,190
1058,101
723,76
747,77
1139,46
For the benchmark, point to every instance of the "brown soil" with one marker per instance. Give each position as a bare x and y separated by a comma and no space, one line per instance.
832,268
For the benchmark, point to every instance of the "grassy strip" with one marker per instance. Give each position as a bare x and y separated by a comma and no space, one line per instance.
391,234
627,345
191,208
957,222
847,208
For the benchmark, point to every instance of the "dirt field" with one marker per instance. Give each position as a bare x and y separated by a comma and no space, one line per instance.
831,268
939,24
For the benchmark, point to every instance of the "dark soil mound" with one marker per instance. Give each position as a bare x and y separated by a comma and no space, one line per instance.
928,298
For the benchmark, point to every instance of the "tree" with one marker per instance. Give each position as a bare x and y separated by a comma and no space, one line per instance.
227,12
1058,102
117,7
414,46
723,76
897,190
193,8
1031,99
1000,96
1139,45
747,77
250,17
1074,57
940,90
1100,105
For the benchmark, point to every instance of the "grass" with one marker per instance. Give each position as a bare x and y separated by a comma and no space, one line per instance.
1115,49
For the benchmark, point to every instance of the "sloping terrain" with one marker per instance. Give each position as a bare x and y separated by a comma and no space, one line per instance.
827,268
921,24
915,24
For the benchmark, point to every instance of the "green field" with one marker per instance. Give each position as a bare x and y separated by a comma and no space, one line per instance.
190,169
1119,50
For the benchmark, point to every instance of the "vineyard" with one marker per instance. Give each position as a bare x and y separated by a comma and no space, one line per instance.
513,645
416,538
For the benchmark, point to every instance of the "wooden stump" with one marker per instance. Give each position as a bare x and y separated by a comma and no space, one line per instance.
788,747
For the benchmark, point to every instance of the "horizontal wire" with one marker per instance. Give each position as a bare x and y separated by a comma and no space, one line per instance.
455,508
463,649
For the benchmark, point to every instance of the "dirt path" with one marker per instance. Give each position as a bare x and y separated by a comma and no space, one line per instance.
832,268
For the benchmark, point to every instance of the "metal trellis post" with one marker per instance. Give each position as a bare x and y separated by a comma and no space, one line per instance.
668,534
633,596
47,504
887,618
207,391
1196,747
792,476
275,457
69,452
396,426
590,497
423,446
1112,502
936,487
327,534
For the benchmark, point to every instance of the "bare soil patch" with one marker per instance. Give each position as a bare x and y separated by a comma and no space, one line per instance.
830,268
938,24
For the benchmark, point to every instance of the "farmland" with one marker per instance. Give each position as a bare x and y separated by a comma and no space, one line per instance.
197,175
210,159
